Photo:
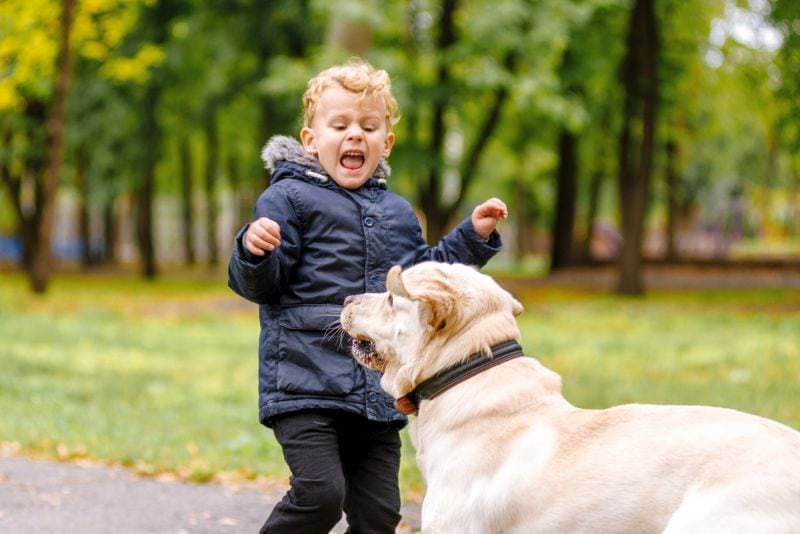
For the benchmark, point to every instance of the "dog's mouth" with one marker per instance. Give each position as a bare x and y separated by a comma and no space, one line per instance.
363,350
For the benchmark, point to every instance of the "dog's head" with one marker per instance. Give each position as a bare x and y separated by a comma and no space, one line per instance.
433,315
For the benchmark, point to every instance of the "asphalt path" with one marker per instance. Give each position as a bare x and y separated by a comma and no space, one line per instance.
44,497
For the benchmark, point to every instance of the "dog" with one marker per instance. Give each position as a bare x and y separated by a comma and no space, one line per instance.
502,450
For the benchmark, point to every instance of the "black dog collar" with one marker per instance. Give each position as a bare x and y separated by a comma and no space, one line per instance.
447,378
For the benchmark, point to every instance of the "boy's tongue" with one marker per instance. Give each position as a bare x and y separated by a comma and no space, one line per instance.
352,161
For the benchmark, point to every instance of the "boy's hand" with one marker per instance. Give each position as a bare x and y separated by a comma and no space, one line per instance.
262,236
486,215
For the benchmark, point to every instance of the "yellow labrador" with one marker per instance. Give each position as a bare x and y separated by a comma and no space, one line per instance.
501,450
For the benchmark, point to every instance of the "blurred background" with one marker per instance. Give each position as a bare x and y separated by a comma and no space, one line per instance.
644,147
619,132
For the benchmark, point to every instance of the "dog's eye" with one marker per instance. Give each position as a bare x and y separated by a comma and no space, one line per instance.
390,300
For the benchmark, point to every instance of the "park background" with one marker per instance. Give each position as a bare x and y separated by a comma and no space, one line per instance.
649,153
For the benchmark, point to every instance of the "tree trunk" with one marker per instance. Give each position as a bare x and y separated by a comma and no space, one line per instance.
27,223
84,230
524,211
793,195
32,179
156,19
431,190
26,230
596,185
566,197
469,168
593,203
764,206
636,142
109,234
437,219
187,192
42,252
438,214
144,193
212,166
673,206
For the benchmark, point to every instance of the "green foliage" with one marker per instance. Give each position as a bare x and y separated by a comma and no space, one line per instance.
731,105
101,124
30,32
786,15
162,376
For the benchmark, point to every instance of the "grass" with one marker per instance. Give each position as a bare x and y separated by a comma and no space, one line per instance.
151,376
739,349
161,376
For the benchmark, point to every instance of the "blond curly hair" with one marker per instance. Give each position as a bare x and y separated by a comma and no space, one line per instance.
357,76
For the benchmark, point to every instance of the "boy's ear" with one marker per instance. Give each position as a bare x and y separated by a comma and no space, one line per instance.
309,140
388,143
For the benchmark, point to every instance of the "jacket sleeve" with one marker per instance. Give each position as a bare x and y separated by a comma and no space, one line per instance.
262,279
462,245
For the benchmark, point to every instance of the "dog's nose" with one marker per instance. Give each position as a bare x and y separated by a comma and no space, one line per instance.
348,299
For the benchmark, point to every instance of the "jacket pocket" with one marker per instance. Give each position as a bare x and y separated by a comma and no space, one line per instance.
312,355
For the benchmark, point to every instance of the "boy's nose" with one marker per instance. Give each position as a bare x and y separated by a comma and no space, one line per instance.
354,134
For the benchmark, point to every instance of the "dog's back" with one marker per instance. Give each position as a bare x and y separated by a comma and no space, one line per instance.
528,461
551,467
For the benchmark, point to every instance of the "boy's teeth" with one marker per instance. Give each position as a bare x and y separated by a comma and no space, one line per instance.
352,160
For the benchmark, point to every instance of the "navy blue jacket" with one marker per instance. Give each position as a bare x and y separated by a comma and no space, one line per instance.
335,242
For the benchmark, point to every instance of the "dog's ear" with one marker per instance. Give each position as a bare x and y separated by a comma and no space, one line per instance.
438,295
394,282
404,380
442,308
516,306
440,298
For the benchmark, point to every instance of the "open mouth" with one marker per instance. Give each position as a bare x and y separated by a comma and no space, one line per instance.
363,350
352,160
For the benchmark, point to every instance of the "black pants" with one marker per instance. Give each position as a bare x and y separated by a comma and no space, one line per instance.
338,462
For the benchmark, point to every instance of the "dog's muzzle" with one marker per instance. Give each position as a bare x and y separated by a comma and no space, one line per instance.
363,350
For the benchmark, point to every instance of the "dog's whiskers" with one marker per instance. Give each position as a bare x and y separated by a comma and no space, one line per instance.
335,332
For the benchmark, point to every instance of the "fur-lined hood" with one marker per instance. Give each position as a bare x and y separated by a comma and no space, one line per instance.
283,148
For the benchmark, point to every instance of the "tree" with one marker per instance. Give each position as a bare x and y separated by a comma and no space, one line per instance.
187,190
637,141
515,98
155,26
785,15
39,39
40,261
42,167
563,225
595,50
682,67
467,61
439,213
566,197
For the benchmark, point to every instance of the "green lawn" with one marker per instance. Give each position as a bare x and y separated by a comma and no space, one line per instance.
162,376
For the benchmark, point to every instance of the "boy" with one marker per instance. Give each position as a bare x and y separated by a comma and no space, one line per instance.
326,228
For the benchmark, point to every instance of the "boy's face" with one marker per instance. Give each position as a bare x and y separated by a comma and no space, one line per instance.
348,135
